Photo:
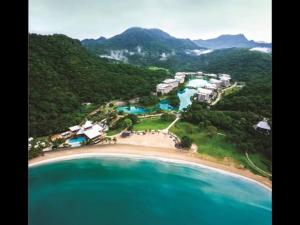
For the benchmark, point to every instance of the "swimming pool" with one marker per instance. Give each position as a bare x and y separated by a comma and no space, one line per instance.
185,97
197,83
76,141
132,109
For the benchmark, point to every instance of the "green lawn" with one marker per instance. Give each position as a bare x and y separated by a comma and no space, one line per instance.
260,161
217,147
158,68
151,123
232,90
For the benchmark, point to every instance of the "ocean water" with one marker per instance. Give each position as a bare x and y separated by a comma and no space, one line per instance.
123,191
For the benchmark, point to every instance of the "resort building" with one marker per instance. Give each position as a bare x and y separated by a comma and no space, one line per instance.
224,75
30,139
211,75
180,78
173,82
180,74
225,81
88,124
210,86
75,128
163,88
216,82
263,126
204,95
200,73
66,134
93,132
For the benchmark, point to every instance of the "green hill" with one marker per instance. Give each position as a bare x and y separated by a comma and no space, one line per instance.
63,74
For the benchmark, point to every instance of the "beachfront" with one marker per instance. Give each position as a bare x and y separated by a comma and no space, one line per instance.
147,151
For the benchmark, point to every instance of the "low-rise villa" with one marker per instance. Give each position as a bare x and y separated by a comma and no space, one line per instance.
225,81
75,128
204,95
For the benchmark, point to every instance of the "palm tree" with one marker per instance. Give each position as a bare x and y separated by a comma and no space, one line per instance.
115,140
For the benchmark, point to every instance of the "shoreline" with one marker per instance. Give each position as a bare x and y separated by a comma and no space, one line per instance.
146,152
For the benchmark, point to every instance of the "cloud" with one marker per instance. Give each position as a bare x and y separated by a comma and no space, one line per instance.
192,19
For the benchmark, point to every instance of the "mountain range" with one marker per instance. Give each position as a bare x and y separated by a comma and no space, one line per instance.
144,47
230,41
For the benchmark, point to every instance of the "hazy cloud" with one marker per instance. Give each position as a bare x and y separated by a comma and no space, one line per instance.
181,18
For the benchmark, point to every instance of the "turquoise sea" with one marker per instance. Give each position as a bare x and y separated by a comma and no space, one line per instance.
123,191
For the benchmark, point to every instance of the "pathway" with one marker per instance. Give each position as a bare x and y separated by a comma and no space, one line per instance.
167,129
220,93
255,167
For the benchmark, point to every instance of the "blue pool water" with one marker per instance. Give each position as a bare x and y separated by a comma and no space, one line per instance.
125,191
76,141
164,105
185,97
197,83
132,109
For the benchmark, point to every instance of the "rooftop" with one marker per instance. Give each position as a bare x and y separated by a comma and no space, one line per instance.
204,91
163,86
167,81
263,125
214,81
74,128
87,124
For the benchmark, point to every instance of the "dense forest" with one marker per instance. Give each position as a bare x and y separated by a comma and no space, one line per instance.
63,75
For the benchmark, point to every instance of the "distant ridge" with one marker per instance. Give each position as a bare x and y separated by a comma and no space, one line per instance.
230,41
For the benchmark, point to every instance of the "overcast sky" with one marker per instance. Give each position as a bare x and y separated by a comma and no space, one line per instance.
192,19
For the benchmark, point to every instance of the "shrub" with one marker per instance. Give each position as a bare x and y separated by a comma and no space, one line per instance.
211,131
186,142
167,117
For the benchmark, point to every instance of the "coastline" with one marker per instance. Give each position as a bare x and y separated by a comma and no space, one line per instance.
146,152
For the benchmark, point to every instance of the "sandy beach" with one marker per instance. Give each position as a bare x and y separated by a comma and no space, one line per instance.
147,151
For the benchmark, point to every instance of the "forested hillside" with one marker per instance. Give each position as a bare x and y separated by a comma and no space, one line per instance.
63,75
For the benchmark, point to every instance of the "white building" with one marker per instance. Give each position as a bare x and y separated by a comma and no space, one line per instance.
216,82
88,124
173,82
180,74
180,78
224,75
64,134
30,139
75,128
93,132
211,75
200,73
210,86
263,126
163,88
204,95
225,81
